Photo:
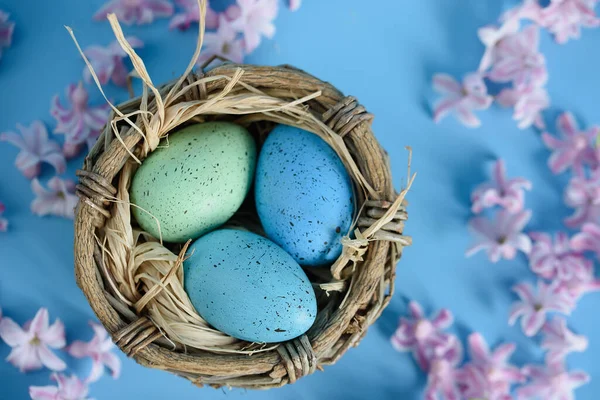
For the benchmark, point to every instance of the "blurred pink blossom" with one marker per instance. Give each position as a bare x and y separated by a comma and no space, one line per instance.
559,341
579,284
519,61
501,238
36,148
574,149
69,388
294,5
108,62
3,228
59,200
529,102
462,99
554,259
551,382
6,31
507,193
534,306
223,43
135,11
420,335
191,14
31,344
81,124
583,194
442,381
256,20
491,36
588,239
564,18
488,375
99,349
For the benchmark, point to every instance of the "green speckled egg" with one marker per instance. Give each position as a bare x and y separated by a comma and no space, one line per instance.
195,181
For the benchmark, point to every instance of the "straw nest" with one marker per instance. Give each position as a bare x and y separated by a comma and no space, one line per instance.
134,282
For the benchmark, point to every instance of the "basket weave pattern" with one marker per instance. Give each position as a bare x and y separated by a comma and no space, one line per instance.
363,288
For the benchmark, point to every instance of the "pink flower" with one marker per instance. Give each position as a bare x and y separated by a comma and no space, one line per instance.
69,388
59,200
489,374
255,20
556,259
551,382
559,341
533,307
422,336
191,14
442,380
491,36
575,148
507,193
564,18
294,5
579,284
31,344
462,99
135,11
588,239
80,124
222,43
99,349
528,102
35,148
519,61
6,31
583,195
501,238
108,62
3,228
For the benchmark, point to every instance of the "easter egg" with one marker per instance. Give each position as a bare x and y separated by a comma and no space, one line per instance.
248,287
303,195
194,181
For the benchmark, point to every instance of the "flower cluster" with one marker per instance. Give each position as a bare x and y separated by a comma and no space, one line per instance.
33,348
512,60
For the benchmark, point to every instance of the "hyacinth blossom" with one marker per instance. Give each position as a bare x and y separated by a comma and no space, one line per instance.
574,148
190,14
507,193
564,18
519,61
3,227
422,336
255,20
224,43
442,381
36,148
68,388
81,124
461,99
136,11
57,200
583,194
534,306
528,103
99,349
108,62
491,36
6,31
559,341
551,382
31,344
488,375
501,238
588,239
581,283
555,259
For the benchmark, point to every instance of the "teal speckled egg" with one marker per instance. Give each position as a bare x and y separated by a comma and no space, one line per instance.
195,181
248,287
304,195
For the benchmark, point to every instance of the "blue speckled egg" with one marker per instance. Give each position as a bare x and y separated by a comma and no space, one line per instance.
303,195
248,287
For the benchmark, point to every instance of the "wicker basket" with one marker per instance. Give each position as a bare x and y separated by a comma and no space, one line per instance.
351,295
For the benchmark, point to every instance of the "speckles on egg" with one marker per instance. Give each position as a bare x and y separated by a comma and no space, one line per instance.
303,195
195,181
248,287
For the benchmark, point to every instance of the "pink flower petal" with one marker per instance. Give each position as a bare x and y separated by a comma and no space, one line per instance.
50,360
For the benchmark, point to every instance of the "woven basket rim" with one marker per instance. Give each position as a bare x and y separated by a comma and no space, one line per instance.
337,328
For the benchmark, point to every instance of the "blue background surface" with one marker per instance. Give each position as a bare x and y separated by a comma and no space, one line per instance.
384,53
